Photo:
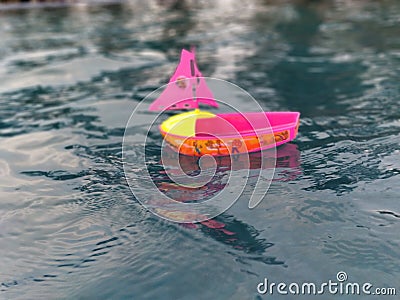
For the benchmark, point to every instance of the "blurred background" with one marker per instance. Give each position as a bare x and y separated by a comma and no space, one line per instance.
71,73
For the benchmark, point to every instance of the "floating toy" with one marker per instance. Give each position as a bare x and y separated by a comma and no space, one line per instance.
199,132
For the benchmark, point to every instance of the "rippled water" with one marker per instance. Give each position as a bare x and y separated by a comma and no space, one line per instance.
70,77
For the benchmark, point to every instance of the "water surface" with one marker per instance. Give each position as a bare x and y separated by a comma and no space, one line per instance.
70,77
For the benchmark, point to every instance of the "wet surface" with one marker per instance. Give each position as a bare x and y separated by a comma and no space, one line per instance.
70,78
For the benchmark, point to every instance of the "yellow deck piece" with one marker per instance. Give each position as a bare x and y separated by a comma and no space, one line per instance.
184,124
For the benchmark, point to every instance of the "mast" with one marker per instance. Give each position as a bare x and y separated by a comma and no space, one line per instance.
186,89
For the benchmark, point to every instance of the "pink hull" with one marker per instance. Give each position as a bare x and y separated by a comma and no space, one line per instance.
233,133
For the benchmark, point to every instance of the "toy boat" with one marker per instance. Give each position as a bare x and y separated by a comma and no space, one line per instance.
199,132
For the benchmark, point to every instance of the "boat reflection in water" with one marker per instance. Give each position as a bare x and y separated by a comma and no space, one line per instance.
286,160
224,228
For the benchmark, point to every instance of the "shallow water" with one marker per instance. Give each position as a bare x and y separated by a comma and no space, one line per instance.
70,78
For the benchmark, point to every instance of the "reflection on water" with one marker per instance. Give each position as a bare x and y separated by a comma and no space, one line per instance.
286,160
224,228
70,78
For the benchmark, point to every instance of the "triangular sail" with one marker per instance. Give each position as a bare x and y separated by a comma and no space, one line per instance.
186,89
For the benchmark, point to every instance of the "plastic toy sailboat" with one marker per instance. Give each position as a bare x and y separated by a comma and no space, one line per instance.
198,132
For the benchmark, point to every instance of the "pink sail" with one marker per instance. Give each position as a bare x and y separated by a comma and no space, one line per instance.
186,89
